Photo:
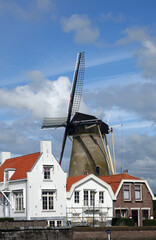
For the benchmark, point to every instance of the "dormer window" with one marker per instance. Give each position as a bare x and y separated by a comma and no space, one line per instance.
47,171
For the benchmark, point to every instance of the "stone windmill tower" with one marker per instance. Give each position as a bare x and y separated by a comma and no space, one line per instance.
90,150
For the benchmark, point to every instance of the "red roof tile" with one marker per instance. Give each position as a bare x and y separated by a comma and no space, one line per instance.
72,180
112,180
22,165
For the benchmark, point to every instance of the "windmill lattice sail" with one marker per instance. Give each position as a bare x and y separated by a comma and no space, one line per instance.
90,153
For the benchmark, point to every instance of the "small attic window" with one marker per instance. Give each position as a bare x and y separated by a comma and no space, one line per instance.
98,170
47,170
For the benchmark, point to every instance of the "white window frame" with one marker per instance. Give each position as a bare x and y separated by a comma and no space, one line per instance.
47,196
59,223
89,198
47,174
18,201
127,190
101,196
140,191
77,197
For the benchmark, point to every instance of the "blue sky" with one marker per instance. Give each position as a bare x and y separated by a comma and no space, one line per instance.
39,43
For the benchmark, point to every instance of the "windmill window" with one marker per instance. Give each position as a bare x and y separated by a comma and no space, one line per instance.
98,170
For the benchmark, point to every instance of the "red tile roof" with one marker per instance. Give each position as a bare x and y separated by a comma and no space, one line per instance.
22,165
72,180
112,180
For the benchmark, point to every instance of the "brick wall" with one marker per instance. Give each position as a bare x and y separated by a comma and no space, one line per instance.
145,203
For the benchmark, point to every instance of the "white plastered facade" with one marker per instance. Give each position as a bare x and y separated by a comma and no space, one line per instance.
33,188
82,212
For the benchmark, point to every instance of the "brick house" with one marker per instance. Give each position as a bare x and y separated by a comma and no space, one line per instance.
134,198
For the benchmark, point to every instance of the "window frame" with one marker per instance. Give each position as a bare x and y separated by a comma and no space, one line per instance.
77,196
121,213
86,198
89,197
48,199
101,198
48,172
125,192
18,201
136,191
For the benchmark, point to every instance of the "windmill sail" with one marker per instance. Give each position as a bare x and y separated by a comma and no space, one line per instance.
90,151
75,95
75,98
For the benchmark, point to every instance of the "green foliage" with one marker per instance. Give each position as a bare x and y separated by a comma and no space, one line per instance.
6,219
123,222
154,204
154,214
149,222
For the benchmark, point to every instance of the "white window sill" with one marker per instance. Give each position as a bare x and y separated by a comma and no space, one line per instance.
47,180
49,210
22,211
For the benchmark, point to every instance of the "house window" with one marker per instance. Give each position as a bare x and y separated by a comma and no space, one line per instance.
59,223
85,198
101,197
92,198
19,201
47,172
89,197
76,197
47,200
126,189
138,195
121,213
52,223
145,214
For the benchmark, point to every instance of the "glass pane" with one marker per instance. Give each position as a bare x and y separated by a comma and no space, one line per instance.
50,202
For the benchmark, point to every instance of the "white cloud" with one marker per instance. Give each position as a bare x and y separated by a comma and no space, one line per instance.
33,9
106,17
146,49
146,57
41,98
81,25
134,34
134,98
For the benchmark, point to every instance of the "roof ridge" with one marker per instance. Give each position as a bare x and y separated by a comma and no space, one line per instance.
21,156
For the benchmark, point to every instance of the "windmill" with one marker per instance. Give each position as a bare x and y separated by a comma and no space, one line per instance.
90,149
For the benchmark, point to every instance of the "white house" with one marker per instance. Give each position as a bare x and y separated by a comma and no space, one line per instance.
89,200
33,187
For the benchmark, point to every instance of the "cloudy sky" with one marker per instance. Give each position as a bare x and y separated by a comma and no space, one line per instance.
39,42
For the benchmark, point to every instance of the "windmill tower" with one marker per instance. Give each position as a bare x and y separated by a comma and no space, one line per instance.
90,150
